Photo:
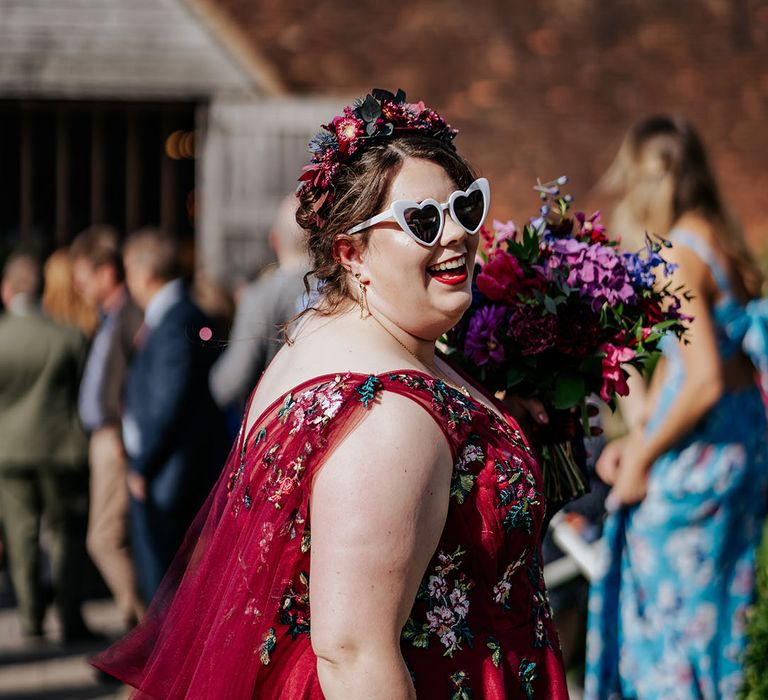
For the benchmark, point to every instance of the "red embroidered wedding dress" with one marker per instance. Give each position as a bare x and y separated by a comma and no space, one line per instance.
232,620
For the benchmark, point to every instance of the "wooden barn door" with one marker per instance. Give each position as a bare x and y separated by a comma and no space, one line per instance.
252,154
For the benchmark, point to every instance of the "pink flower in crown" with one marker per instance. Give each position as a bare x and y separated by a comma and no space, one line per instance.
614,377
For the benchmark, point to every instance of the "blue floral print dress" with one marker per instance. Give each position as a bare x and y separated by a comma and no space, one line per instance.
667,618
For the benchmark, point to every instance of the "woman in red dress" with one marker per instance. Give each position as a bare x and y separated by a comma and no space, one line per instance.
375,533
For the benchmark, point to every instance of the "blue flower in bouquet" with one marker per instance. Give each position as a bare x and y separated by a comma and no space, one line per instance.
483,343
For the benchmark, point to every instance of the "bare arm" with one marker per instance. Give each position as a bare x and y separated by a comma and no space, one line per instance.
701,388
378,509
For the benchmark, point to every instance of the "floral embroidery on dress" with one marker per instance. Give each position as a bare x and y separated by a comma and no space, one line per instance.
463,478
527,675
447,606
542,610
267,646
292,528
319,405
503,589
460,684
493,644
517,493
449,402
367,390
294,608
501,427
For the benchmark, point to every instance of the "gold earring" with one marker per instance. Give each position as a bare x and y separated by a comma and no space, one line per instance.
362,297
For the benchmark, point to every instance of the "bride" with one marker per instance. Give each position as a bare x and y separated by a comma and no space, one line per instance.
375,531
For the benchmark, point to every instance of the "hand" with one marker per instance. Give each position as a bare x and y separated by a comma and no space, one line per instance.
608,462
631,484
525,409
137,485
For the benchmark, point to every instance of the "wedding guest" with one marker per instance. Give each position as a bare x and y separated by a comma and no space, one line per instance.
376,530
173,433
263,308
61,301
689,483
99,278
43,452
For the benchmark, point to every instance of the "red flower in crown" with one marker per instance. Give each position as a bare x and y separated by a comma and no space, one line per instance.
379,115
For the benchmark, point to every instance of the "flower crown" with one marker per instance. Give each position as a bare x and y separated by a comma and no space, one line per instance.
379,115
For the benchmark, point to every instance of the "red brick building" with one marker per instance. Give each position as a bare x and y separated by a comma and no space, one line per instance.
543,87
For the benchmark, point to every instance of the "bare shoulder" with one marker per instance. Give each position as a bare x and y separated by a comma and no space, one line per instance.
321,346
396,459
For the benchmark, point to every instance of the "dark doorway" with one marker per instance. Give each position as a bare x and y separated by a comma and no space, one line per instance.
67,165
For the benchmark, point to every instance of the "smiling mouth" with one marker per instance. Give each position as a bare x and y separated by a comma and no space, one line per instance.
451,272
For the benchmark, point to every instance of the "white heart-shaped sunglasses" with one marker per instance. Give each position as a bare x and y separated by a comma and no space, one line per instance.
423,221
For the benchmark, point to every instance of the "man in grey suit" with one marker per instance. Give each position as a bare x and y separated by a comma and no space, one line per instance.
43,451
265,305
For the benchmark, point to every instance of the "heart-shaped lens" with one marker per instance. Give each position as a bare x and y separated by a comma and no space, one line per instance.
468,209
423,222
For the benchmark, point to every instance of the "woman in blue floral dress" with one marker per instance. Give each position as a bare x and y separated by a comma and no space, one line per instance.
667,617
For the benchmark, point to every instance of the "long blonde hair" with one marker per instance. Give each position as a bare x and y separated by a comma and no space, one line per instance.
61,302
662,172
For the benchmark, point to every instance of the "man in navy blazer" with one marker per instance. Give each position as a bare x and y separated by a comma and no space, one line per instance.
174,435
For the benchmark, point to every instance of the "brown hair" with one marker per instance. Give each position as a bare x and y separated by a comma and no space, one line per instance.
360,191
99,245
60,300
22,272
157,251
663,169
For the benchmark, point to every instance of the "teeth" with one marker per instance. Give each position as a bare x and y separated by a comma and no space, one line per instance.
450,265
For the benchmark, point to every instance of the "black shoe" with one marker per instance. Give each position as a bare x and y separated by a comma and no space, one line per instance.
82,635
104,678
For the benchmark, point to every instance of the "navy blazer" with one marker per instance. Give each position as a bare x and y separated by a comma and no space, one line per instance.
183,434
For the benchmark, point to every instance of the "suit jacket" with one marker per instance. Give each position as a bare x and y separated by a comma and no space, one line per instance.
181,433
40,366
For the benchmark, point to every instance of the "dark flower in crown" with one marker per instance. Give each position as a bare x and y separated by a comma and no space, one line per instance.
379,115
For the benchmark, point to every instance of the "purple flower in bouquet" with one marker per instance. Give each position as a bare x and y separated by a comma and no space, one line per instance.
483,343
596,270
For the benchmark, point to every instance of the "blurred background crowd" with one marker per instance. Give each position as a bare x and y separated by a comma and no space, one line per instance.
150,254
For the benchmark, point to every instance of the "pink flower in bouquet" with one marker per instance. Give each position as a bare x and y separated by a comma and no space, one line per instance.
614,377
504,231
591,227
483,343
503,278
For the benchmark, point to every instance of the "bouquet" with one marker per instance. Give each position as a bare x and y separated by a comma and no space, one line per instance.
558,313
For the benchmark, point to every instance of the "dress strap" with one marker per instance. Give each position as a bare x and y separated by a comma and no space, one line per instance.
699,246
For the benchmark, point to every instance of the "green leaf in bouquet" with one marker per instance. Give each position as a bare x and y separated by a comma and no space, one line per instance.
515,375
549,305
591,366
663,325
569,390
